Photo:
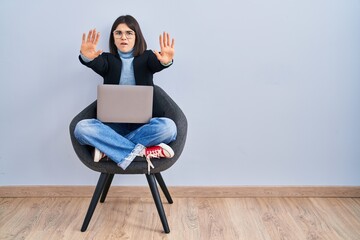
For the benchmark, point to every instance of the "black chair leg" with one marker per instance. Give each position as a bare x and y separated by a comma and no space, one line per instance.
106,188
98,190
163,187
155,193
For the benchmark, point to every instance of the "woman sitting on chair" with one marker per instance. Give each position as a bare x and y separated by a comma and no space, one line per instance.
128,63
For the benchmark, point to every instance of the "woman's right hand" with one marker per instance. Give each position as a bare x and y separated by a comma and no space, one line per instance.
88,45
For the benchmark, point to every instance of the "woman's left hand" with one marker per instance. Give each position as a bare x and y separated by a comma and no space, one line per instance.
167,50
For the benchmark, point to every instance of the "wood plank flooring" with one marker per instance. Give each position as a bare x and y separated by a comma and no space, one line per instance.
189,218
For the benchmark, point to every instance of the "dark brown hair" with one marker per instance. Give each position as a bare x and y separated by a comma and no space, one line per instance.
140,43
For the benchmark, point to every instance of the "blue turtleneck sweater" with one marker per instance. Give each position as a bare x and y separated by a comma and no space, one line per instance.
127,69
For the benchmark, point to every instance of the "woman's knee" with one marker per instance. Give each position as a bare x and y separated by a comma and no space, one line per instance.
84,128
169,128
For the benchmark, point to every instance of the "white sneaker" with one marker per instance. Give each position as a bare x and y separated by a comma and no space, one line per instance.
98,155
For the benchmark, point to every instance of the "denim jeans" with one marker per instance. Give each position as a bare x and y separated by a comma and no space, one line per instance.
122,142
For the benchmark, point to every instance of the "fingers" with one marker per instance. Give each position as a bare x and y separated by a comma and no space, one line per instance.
157,54
83,38
164,40
97,37
99,52
161,42
89,36
92,37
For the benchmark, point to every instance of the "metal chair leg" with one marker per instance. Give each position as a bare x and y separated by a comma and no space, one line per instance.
98,190
106,188
155,193
163,187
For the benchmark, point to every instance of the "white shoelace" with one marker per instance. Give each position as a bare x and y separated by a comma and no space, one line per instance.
155,153
149,161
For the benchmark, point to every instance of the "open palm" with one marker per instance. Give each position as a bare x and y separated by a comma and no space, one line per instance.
89,43
167,51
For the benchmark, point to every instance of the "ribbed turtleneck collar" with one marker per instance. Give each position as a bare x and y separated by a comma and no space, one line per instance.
126,55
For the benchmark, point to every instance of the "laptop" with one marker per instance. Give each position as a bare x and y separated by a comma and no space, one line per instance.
124,103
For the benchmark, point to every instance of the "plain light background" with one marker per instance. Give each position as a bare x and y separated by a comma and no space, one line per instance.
270,89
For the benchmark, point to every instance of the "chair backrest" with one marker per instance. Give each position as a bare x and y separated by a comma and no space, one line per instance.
164,106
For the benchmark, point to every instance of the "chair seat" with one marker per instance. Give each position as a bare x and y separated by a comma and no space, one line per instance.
138,166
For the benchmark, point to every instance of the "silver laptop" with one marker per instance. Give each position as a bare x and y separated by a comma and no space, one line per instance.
124,103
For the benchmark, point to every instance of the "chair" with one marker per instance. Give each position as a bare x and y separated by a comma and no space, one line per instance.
163,106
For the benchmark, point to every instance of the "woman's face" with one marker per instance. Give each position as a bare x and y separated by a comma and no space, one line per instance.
124,38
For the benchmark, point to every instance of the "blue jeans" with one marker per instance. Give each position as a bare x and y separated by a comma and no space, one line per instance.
122,142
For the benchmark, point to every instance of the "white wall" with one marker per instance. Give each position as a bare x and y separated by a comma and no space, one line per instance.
270,88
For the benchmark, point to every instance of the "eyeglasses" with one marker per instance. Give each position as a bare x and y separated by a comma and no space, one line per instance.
128,34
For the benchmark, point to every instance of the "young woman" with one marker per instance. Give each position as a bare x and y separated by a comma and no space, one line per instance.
128,63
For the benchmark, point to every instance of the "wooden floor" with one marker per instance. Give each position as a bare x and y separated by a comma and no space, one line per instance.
189,218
